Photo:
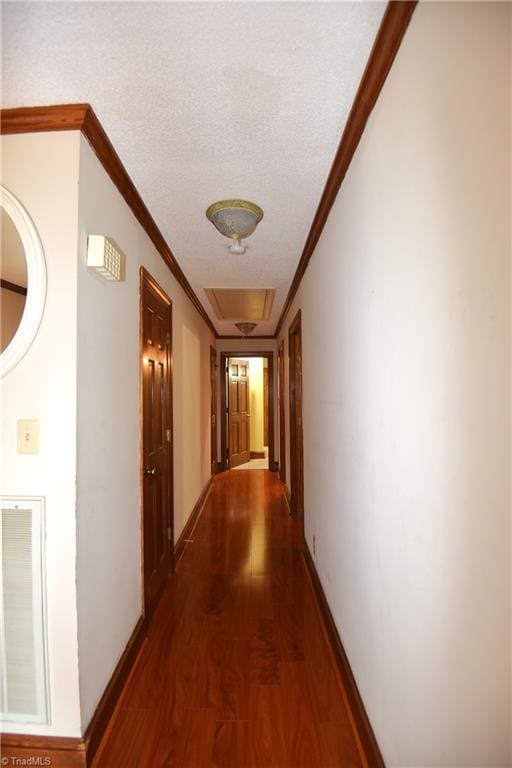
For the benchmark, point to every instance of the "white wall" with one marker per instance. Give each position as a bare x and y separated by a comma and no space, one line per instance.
246,345
109,562
406,312
41,170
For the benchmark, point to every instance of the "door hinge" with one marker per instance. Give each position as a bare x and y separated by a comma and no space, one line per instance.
168,339
169,534
168,435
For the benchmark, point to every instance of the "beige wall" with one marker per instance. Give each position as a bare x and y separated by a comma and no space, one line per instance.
256,404
41,170
12,306
109,594
80,378
406,312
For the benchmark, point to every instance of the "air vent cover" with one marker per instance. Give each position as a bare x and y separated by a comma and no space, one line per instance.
23,685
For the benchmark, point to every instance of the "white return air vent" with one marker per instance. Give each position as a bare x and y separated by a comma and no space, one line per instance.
23,658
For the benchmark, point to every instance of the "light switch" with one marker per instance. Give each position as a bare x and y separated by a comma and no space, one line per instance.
28,436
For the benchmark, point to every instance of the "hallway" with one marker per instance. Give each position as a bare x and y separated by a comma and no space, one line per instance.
236,671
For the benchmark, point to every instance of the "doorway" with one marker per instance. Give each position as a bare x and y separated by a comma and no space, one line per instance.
296,439
213,410
280,397
247,424
156,455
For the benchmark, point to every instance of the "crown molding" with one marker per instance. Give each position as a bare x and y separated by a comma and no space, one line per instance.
70,117
81,117
391,31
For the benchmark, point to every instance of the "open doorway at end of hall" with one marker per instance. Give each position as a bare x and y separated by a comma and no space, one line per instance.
249,433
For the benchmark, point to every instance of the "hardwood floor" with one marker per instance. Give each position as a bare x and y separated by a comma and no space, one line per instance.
236,671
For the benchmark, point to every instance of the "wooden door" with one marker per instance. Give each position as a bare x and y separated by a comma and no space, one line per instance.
296,442
213,410
238,412
280,395
157,476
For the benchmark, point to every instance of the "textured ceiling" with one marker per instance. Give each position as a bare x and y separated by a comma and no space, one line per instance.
205,101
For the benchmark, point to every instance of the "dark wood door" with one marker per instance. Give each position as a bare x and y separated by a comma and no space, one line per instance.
280,395
238,412
296,442
157,478
213,410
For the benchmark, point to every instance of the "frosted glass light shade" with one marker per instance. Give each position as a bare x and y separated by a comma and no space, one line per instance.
235,218
245,328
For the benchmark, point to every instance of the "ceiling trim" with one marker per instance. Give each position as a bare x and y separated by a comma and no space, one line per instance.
81,117
69,117
391,31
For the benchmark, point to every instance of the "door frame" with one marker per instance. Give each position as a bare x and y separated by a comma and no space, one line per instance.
147,280
282,411
213,410
224,357
296,434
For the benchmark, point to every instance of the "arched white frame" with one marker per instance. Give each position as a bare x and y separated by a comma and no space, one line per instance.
36,286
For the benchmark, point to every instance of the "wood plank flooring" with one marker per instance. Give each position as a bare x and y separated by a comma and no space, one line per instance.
236,671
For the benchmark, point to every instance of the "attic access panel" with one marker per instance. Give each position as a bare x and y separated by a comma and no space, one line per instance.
241,303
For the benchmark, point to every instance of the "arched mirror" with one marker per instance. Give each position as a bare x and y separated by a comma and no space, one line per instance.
23,281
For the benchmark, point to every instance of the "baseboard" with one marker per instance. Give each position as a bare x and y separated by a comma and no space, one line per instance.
362,724
288,498
187,531
18,749
257,454
103,712
78,752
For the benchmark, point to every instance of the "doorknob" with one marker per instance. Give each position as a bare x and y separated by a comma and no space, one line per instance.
148,471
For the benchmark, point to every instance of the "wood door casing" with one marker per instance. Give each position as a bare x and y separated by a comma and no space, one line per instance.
213,410
296,438
156,459
224,427
282,427
238,412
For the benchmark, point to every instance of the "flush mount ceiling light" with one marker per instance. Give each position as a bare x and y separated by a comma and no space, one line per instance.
246,328
235,219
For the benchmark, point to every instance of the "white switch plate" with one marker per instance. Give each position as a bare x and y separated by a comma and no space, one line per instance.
28,436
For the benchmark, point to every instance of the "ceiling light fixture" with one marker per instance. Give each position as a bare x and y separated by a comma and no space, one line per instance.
246,328
235,219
